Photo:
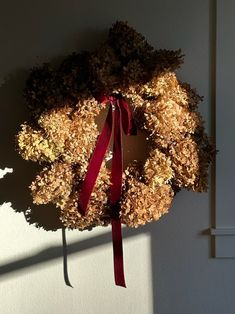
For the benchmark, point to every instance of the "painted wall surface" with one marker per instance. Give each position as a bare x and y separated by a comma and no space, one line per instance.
169,269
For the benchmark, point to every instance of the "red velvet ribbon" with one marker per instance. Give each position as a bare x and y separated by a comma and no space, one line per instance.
119,117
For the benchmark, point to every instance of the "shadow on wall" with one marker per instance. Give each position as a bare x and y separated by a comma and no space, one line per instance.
54,252
14,187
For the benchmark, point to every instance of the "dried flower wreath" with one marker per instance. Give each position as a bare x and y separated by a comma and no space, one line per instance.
140,87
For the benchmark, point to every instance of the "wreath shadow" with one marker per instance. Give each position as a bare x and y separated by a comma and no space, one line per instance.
14,186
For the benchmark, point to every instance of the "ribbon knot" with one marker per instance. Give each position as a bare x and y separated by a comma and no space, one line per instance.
119,117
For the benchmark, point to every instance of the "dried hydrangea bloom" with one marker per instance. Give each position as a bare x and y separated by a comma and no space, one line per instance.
157,169
167,59
34,145
65,131
142,204
42,89
135,100
71,217
166,83
56,124
189,164
88,106
105,69
134,73
53,184
160,84
73,76
169,121
81,142
128,43
97,209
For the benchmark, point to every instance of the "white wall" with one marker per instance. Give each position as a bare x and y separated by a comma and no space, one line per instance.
168,265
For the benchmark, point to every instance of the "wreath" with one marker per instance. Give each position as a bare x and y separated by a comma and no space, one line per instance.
138,86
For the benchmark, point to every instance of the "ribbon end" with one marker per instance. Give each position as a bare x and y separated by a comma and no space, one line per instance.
120,284
118,253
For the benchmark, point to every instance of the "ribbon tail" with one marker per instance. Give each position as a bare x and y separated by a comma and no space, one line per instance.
95,163
118,253
116,189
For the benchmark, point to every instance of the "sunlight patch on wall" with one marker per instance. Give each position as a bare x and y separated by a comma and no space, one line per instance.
6,205
3,172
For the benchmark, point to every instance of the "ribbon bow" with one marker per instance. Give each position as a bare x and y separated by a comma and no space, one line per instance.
119,117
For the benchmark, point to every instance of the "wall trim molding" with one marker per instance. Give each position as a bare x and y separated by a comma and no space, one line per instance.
224,241
222,67
222,231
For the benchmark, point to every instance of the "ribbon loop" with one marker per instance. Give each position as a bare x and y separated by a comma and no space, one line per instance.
127,120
